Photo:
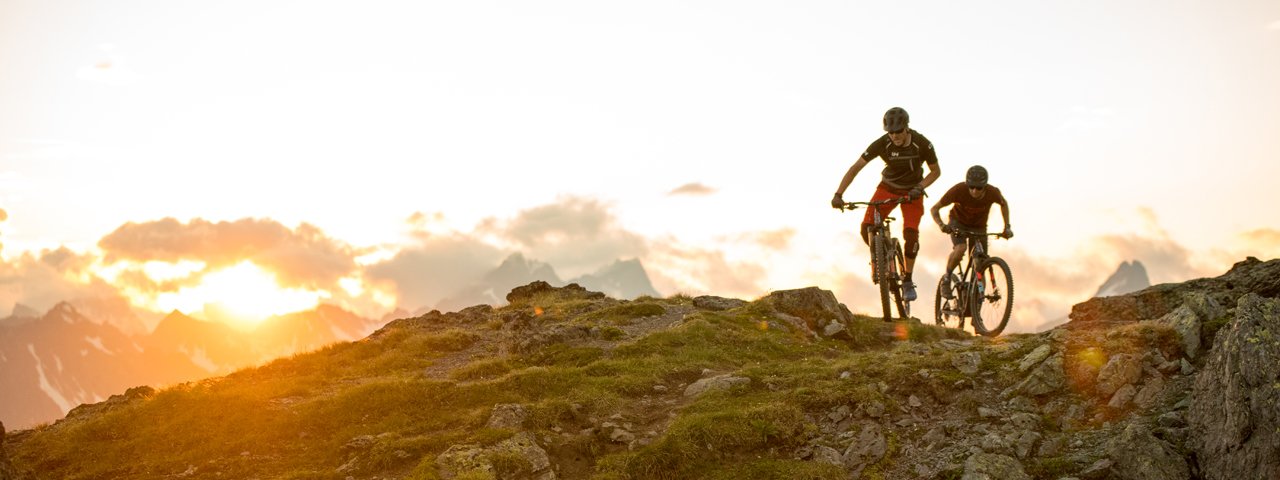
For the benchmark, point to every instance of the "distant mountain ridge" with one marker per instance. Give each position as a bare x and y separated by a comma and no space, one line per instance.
624,279
66,357
1129,277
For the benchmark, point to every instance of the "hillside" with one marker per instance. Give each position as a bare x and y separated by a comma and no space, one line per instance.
1173,381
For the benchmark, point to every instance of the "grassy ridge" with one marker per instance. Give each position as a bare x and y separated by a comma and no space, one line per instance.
297,417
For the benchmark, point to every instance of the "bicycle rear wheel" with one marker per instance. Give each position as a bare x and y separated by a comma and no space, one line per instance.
992,297
948,312
881,259
899,265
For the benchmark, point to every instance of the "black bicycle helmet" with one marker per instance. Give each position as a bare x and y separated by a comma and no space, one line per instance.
976,177
895,119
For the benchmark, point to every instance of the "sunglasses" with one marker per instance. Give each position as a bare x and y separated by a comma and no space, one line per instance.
898,131
978,188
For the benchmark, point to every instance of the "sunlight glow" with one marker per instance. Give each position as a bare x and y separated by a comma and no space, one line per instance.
244,291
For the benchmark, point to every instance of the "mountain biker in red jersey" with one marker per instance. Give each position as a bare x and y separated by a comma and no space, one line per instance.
972,199
905,152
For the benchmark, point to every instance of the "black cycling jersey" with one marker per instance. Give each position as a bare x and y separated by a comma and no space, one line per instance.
903,165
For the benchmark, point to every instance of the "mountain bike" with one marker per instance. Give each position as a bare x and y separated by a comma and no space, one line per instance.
887,261
983,290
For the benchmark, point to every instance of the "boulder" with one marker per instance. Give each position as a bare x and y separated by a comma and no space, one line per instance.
520,453
1034,358
990,466
1234,419
815,306
711,302
827,455
1138,455
509,416
1121,369
719,382
1188,319
867,449
1149,394
570,291
1044,379
967,362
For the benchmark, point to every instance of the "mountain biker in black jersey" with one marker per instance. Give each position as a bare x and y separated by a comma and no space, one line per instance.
904,152
972,200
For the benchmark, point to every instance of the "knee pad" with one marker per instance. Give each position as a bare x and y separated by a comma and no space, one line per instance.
866,231
912,238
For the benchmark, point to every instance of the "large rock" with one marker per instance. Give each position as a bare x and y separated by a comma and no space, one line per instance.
990,466
867,449
510,416
518,457
719,382
1120,370
1249,276
1044,379
1188,319
711,302
1235,404
539,287
1138,455
817,307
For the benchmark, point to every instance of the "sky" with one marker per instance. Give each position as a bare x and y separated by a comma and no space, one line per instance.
271,155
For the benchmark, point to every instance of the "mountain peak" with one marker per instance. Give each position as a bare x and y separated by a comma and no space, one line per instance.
1129,277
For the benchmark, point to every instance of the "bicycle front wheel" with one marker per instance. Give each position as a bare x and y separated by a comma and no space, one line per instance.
992,297
947,311
899,266
881,254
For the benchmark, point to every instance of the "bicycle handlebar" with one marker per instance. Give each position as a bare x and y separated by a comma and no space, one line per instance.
855,205
968,233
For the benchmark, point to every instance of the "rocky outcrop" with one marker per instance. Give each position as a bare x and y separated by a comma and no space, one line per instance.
1138,455
516,458
530,291
711,302
719,382
1250,276
990,466
116,401
817,309
1235,409
508,415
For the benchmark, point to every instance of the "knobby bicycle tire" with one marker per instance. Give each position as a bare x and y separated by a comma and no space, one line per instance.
881,260
953,316
899,265
996,275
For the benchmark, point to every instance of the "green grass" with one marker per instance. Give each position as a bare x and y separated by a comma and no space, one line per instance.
295,416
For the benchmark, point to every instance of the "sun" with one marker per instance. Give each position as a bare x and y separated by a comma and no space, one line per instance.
244,292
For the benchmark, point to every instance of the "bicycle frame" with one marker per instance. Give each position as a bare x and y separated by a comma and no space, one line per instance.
887,258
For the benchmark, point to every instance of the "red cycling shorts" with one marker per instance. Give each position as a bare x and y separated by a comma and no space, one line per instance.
911,211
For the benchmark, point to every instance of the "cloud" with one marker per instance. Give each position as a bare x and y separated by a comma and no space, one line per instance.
1274,25
1263,243
41,281
693,270
692,189
779,239
302,257
575,234
437,266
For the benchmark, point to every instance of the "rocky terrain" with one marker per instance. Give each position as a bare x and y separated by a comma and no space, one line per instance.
1175,381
